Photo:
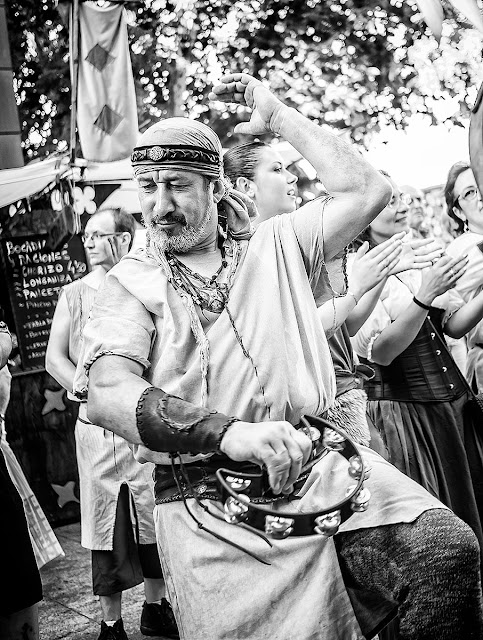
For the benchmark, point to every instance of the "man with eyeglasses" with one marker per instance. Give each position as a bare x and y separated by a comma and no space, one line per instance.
116,491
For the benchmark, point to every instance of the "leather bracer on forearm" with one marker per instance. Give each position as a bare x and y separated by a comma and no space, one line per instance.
170,424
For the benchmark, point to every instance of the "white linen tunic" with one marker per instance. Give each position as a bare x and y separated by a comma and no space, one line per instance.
269,361
105,460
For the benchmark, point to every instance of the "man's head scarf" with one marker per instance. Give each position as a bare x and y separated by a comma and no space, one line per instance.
187,145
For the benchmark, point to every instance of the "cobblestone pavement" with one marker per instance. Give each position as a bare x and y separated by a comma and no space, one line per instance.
69,610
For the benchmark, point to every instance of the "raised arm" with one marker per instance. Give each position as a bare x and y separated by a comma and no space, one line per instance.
57,361
359,192
413,254
395,338
369,270
465,318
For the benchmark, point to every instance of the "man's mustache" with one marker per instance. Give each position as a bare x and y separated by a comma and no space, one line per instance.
169,220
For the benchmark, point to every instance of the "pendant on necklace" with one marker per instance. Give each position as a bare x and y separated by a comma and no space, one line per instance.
213,298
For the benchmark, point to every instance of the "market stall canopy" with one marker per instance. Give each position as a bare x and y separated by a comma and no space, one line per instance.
107,171
33,178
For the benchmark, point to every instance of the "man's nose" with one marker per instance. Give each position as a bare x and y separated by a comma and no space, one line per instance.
164,202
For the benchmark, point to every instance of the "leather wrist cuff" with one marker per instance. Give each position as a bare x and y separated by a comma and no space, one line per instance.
169,424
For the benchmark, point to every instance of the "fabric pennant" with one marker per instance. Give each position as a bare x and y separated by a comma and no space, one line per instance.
106,106
471,10
433,16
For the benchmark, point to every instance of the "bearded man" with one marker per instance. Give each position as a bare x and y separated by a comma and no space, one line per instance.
206,348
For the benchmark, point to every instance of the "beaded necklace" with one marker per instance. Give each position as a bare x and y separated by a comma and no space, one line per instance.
207,293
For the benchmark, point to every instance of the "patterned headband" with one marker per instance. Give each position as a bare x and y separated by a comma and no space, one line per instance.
203,160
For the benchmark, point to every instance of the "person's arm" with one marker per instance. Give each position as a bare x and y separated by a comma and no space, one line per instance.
5,347
359,192
397,337
57,361
465,318
368,268
364,308
120,400
415,254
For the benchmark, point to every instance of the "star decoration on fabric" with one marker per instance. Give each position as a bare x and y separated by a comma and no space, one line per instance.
108,120
54,401
65,493
99,57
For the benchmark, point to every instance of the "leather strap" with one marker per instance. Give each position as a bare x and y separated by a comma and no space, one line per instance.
168,423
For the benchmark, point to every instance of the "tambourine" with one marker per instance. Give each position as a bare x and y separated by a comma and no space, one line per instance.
243,494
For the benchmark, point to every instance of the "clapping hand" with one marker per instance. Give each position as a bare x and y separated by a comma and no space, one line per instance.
441,277
417,254
369,267
240,88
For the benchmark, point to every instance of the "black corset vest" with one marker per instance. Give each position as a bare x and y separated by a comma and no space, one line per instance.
424,372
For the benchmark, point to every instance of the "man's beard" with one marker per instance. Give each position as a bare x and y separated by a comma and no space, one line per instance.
180,242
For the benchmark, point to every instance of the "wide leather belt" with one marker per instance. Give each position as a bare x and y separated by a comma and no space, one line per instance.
243,493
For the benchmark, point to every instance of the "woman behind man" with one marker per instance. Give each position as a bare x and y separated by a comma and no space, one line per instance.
465,209
417,398
259,171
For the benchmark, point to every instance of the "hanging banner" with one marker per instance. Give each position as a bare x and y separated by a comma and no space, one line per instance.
106,99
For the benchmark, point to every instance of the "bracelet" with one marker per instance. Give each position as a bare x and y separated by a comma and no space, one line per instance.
349,293
421,304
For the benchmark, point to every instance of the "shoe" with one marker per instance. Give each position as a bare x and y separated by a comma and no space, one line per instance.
158,620
116,632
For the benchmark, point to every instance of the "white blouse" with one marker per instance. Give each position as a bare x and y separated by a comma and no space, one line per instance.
393,301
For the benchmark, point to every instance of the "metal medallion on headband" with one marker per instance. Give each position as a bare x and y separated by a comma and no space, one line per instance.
170,153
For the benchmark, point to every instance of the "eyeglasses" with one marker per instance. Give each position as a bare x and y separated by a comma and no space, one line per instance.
96,236
397,199
414,199
470,194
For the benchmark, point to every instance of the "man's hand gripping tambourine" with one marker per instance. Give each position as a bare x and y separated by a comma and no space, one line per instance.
239,490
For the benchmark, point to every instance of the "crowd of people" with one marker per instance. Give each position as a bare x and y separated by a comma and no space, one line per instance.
273,433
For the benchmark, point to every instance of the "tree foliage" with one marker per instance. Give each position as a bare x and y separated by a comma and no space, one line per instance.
351,64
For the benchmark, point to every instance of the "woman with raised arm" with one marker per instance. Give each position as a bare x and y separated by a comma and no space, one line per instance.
417,397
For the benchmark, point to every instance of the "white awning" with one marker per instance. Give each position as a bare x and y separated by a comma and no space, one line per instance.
23,182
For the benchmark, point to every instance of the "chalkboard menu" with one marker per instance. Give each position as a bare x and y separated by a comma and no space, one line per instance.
34,276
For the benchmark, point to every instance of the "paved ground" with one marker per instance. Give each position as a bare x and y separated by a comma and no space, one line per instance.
69,610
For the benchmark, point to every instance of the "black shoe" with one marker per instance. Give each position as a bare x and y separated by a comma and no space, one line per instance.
116,632
158,620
